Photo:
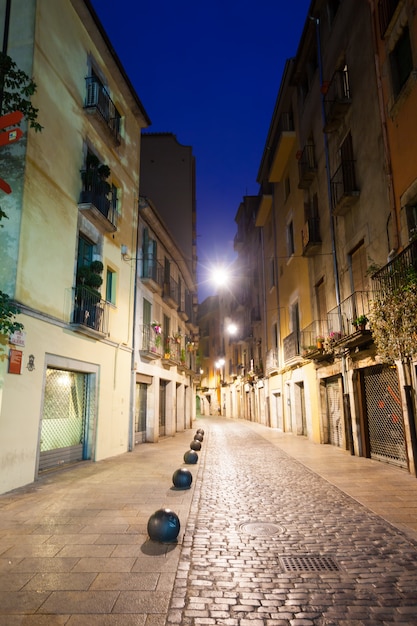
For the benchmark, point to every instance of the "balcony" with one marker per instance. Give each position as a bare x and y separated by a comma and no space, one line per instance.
97,202
271,363
90,314
291,346
344,190
307,166
337,100
346,324
170,293
281,149
98,102
397,273
314,343
151,344
386,11
171,351
311,236
152,274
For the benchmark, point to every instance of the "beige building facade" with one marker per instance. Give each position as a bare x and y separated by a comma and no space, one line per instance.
66,380
336,202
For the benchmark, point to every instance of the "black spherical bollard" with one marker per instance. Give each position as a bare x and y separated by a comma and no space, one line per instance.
195,445
200,431
164,526
198,437
190,457
182,478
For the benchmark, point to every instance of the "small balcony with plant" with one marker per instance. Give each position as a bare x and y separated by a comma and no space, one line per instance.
90,313
314,341
97,202
350,321
152,344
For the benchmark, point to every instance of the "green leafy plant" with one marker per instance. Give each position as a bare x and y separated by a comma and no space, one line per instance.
361,320
394,322
16,90
89,278
8,312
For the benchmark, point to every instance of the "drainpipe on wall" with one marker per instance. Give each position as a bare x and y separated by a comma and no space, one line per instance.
131,443
346,397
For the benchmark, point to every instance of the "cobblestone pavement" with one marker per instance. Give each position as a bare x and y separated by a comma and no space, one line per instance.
270,543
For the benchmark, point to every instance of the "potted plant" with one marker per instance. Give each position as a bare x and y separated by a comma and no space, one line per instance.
87,294
319,341
156,327
361,322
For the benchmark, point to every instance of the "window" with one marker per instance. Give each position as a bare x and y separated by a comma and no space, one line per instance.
275,335
85,251
167,271
111,286
147,312
411,212
149,256
290,239
321,306
115,200
401,60
98,99
358,268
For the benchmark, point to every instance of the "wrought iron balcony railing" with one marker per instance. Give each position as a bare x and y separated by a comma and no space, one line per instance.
397,272
307,166
90,311
98,99
344,322
291,345
152,273
152,342
337,99
271,363
311,236
313,335
170,293
96,194
344,188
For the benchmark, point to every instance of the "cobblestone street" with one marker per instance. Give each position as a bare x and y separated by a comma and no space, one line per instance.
271,543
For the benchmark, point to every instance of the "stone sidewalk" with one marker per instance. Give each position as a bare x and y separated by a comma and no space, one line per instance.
275,531
74,548
270,542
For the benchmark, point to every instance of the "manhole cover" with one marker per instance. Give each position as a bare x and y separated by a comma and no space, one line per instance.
309,563
261,528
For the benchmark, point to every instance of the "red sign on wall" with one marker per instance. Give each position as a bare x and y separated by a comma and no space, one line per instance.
15,361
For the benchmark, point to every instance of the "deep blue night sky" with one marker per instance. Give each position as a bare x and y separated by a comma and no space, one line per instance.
209,72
